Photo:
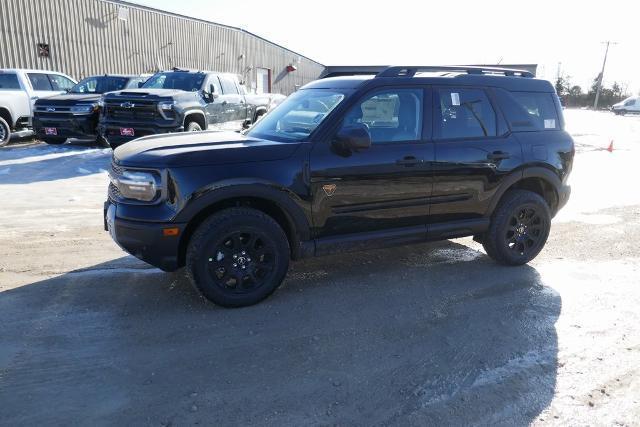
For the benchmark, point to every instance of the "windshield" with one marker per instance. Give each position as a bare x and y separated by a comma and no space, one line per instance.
297,116
100,84
190,82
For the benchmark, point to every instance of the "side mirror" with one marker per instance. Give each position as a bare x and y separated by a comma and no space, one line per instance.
140,84
354,137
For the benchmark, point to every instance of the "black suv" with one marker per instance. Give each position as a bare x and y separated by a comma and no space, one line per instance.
349,163
180,100
75,114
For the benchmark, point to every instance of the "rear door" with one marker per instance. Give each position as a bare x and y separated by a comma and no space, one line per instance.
213,106
474,153
232,104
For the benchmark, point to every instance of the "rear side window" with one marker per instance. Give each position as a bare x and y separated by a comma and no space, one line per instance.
40,81
529,111
228,87
9,82
463,113
540,108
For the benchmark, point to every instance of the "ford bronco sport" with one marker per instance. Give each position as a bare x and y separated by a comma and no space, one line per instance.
348,163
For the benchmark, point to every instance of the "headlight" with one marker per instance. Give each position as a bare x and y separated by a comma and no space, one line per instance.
166,105
84,108
137,185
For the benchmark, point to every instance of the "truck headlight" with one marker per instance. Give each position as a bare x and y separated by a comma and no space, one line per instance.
166,105
84,108
137,185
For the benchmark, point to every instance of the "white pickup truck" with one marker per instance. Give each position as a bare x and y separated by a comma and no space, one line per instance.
18,91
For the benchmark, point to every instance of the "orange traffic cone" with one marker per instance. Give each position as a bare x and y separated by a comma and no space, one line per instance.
610,147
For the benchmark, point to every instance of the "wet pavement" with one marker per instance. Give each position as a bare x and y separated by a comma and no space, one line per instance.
433,334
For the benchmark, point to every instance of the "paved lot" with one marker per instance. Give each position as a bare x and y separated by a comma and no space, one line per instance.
434,334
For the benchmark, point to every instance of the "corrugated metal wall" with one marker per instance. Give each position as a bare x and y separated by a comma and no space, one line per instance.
86,37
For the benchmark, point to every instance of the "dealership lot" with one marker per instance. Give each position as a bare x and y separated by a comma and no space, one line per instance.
432,333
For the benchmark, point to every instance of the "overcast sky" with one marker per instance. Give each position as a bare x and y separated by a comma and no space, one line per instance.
352,32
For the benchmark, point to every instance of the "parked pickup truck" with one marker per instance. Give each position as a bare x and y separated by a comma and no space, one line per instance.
75,114
19,89
181,100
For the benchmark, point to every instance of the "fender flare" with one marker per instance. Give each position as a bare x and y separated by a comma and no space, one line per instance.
192,111
287,201
515,177
10,122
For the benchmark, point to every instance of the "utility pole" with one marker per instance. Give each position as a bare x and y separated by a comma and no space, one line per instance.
599,84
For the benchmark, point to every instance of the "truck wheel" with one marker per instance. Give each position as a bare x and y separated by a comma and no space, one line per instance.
54,141
519,228
237,257
5,132
192,127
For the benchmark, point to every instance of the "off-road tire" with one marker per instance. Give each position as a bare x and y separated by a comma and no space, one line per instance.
5,132
192,127
209,243
54,141
503,242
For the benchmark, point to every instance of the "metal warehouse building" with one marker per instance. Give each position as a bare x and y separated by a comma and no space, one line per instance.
87,37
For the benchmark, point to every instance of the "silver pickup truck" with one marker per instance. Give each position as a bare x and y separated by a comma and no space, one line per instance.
18,91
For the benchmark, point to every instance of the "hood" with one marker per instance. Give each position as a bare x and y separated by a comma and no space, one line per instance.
199,149
69,99
145,93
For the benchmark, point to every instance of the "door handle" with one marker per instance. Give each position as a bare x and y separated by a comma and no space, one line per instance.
498,155
408,161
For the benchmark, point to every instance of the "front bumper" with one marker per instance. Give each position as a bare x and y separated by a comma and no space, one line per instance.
144,240
111,132
67,126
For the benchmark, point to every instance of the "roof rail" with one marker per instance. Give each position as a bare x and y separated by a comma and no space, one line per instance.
410,71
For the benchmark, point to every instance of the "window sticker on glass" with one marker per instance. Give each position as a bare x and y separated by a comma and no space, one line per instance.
455,98
549,124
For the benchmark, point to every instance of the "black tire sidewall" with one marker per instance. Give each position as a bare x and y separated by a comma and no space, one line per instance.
203,244
7,130
496,246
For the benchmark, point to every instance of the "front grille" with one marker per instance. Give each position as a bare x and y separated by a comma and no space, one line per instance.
115,169
140,110
114,193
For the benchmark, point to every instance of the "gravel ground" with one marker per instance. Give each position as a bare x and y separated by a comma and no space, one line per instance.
433,334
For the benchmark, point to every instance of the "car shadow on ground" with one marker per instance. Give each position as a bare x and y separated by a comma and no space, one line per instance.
427,334
41,162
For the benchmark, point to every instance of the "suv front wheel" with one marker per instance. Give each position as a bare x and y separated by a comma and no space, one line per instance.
237,257
519,228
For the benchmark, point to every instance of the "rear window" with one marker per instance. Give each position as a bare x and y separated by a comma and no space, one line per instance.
530,111
9,82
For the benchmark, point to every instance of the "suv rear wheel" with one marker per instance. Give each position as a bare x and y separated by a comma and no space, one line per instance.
519,228
5,132
237,257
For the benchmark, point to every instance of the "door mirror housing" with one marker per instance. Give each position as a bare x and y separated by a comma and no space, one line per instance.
140,84
354,137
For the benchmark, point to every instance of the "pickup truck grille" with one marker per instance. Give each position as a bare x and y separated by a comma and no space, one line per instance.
116,171
131,110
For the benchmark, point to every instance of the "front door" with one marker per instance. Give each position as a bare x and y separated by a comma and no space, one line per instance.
474,153
386,186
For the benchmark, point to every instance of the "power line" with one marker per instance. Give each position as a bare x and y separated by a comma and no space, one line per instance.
601,75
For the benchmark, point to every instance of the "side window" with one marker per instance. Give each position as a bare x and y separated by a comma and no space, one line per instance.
228,86
392,115
40,81
463,113
213,80
60,83
87,85
540,108
9,81
630,102
133,83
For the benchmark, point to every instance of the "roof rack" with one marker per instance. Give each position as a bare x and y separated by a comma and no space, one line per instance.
405,71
